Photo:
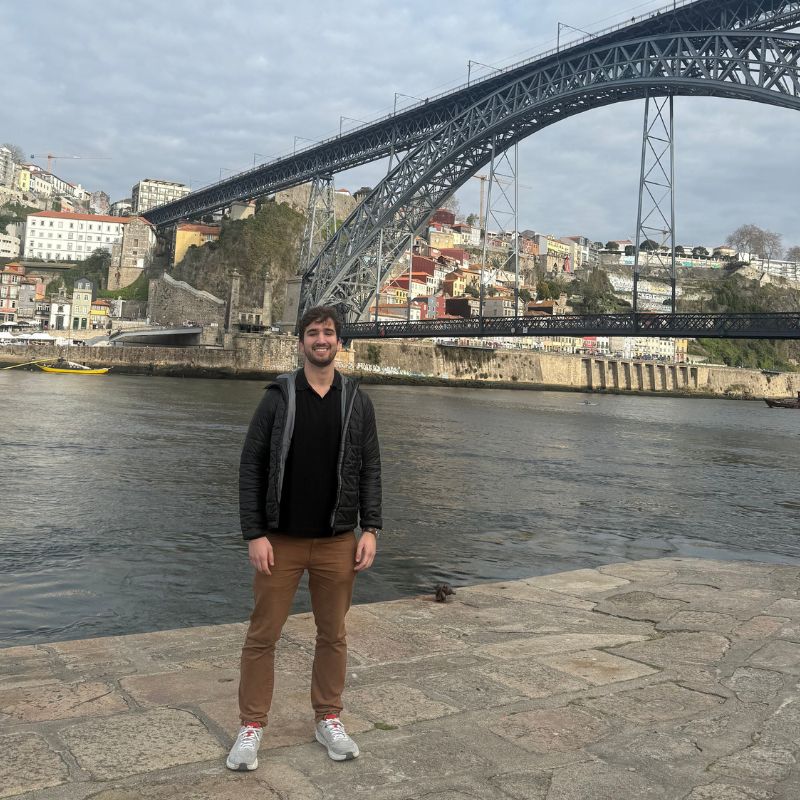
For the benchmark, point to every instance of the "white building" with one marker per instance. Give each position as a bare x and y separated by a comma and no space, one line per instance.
60,312
65,236
150,192
9,245
6,167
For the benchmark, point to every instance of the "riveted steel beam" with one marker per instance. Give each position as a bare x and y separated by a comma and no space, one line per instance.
405,130
741,65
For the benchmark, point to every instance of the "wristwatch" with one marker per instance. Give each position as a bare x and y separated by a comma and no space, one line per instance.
374,531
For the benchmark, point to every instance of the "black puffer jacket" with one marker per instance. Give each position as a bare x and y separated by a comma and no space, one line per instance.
266,447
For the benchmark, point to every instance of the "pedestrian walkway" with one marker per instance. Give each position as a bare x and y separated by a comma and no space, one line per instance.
669,679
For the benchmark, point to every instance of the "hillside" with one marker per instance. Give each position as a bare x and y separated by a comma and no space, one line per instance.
738,295
267,244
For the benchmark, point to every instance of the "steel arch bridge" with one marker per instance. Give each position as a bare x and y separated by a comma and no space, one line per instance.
408,128
748,65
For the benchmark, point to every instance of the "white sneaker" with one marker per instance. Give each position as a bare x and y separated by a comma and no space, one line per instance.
331,733
244,753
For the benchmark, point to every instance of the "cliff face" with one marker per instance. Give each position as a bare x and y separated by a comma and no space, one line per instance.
265,245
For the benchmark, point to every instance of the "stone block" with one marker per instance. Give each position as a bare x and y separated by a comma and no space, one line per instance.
675,649
222,785
639,571
535,646
664,701
28,764
184,687
579,582
532,679
640,606
779,655
396,704
61,701
760,627
754,685
698,621
527,592
470,689
145,742
726,791
597,668
550,730
25,666
785,607
760,762
600,781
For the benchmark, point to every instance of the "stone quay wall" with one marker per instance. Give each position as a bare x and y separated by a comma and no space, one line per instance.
556,371
255,356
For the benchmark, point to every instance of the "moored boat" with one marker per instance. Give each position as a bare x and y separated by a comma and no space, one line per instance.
71,368
785,402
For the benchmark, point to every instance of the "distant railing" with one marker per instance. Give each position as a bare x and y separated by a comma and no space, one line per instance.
779,325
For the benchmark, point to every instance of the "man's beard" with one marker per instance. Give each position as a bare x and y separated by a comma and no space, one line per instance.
321,358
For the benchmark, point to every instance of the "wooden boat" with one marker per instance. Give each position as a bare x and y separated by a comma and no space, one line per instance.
71,368
786,402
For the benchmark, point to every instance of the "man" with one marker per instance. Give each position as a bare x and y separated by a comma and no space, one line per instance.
310,471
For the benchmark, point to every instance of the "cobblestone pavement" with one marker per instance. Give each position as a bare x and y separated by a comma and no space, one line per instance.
670,679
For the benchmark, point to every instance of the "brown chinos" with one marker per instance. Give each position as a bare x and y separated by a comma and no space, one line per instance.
330,563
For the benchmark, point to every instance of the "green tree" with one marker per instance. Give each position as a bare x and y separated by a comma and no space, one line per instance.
525,295
612,246
472,219
543,291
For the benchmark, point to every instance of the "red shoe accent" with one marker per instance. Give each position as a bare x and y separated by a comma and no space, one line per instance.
331,716
252,725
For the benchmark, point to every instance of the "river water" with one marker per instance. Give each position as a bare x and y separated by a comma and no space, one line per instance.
119,494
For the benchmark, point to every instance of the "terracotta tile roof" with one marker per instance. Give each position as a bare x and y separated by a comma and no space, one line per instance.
196,227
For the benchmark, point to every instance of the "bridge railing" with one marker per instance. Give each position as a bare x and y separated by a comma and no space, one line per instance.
778,325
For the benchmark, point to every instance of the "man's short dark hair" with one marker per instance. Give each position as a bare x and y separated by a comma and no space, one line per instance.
320,314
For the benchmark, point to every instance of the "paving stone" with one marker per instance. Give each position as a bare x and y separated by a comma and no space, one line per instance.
558,643
186,686
396,704
698,621
640,605
783,727
677,648
533,679
18,752
754,685
142,743
224,785
99,658
470,689
702,597
726,791
636,571
61,701
764,763
580,582
597,667
524,785
550,729
650,704
780,656
26,666
528,593
785,607
761,627
600,781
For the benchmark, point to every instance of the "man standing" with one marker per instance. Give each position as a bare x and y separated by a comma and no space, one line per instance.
310,471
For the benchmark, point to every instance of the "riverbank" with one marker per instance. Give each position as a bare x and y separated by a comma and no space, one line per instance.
250,356
672,679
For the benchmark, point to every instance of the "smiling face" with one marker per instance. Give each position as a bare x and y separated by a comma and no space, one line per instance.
319,343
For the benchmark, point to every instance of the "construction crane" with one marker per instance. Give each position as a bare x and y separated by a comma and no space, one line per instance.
51,158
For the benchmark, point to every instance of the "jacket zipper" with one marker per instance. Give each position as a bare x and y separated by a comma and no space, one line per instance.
350,403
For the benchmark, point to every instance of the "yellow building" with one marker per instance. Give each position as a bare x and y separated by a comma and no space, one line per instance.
99,315
454,283
188,234
24,179
440,239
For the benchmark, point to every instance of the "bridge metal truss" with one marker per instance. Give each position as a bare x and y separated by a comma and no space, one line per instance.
409,127
784,325
742,65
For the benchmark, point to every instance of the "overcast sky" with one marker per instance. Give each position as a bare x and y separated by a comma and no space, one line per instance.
189,91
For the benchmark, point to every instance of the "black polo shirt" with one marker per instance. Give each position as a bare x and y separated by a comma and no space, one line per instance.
309,479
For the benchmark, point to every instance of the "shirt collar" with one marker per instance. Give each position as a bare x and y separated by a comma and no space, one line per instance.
301,382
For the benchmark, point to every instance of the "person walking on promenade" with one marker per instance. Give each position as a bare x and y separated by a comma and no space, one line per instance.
310,472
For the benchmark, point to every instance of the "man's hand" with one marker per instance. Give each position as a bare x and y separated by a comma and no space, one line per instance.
365,552
261,555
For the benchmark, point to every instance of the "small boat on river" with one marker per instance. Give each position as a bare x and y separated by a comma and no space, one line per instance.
71,368
786,402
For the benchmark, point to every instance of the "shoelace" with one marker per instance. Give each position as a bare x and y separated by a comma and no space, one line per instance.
248,738
335,728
